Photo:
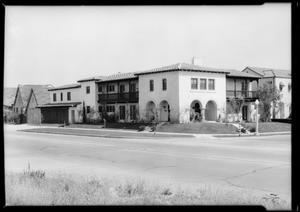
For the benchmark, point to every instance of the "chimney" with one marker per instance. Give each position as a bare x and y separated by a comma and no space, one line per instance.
197,61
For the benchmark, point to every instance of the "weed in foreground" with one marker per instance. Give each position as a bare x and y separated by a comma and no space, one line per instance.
75,189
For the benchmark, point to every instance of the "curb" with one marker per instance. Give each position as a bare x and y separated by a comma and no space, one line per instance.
251,134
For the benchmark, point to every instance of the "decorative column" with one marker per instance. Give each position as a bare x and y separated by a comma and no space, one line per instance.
203,114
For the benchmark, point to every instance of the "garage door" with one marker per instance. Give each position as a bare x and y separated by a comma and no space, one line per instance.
55,115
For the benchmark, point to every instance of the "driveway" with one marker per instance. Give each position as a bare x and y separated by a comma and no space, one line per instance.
259,163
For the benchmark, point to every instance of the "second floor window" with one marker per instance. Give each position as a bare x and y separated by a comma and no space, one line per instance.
164,84
54,97
211,84
151,85
194,83
203,84
100,109
61,97
132,87
69,96
122,88
111,88
88,89
88,109
100,88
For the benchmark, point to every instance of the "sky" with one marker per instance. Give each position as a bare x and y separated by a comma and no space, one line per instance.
59,45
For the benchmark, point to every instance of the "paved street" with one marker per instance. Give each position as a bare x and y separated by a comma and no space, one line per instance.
262,163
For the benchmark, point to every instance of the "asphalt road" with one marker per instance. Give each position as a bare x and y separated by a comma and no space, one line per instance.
260,163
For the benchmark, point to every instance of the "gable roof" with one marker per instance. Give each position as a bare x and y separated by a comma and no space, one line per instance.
184,67
76,85
239,74
41,95
271,72
25,91
9,96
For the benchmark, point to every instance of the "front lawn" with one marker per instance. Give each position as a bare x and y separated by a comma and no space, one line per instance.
264,127
195,128
199,128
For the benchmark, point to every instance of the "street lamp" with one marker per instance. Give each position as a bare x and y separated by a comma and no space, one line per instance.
256,104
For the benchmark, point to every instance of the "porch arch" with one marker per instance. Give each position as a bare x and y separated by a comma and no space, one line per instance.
211,111
151,111
196,110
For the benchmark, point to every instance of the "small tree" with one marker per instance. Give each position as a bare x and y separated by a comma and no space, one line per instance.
267,94
83,113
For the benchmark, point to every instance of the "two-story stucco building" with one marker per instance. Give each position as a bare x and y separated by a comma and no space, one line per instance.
176,93
179,92
282,80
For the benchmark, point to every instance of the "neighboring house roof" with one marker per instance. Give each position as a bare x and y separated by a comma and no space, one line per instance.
240,74
25,91
271,72
184,67
120,76
76,85
41,95
95,78
68,104
9,96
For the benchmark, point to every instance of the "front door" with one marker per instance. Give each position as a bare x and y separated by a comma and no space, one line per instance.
245,112
122,112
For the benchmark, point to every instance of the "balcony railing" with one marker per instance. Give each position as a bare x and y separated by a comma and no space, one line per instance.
240,93
128,96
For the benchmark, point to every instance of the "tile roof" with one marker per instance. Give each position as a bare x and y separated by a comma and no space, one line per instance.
120,76
40,90
183,66
42,95
76,85
236,73
9,96
271,72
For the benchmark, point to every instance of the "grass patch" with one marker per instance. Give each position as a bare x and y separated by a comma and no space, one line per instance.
200,128
58,188
264,127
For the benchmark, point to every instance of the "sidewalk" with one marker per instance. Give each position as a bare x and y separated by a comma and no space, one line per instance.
121,133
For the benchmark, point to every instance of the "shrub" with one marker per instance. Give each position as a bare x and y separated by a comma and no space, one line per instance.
142,128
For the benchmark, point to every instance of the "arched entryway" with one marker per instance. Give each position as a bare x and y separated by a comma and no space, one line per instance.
151,111
196,111
164,109
211,111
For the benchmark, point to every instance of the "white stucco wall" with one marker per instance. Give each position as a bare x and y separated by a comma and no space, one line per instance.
75,95
90,99
171,95
188,95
